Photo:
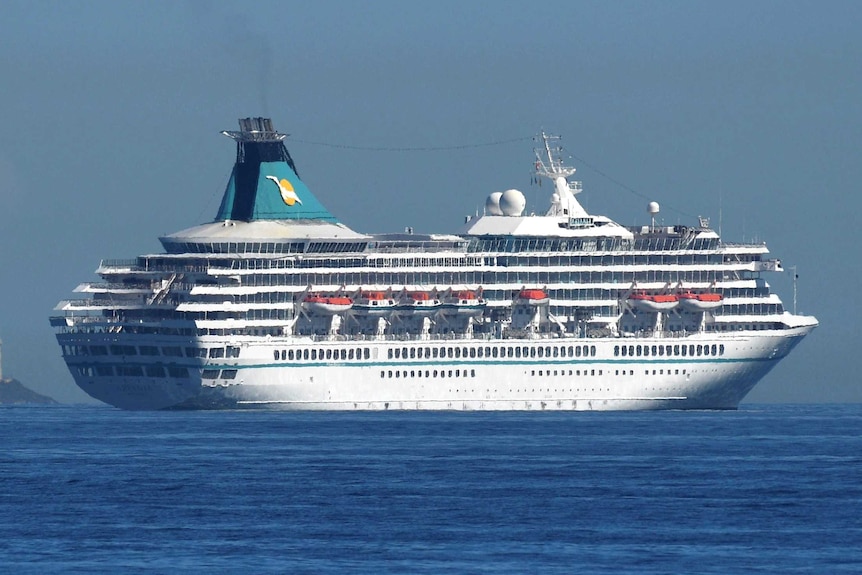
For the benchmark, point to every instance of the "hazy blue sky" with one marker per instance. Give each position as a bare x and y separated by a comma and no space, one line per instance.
745,112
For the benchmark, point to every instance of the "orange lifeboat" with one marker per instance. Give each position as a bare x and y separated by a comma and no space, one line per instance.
374,303
700,301
327,304
532,297
653,302
419,303
463,302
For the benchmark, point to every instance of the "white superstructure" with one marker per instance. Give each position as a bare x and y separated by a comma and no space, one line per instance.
277,304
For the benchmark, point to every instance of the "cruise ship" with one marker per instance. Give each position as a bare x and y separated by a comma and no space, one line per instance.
277,304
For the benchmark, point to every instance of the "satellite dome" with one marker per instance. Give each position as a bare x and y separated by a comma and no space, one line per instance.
492,204
512,203
652,208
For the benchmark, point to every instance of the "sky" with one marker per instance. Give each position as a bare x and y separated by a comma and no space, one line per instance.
744,112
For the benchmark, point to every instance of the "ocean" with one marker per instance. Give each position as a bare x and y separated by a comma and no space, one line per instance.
766,489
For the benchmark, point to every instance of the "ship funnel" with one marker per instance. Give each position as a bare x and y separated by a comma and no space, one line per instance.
265,183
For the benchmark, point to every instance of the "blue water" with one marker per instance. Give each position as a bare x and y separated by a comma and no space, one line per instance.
767,489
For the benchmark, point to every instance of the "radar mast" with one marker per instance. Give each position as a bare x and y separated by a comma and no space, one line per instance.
549,164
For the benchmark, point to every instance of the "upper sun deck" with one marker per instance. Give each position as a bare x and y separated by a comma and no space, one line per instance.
269,216
545,226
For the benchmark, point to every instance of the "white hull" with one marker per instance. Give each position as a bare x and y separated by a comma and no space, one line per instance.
603,381
281,305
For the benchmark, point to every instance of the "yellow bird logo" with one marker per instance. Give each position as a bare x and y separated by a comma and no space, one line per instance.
286,190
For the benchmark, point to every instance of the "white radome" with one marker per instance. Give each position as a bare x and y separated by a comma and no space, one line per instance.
492,204
512,203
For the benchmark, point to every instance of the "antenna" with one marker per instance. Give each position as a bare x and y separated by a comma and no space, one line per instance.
795,277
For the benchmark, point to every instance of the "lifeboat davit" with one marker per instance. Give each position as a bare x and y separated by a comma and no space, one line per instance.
327,304
653,302
532,297
463,302
419,303
700,301
374,303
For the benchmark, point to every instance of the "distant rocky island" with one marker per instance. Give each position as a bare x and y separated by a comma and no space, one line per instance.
13,392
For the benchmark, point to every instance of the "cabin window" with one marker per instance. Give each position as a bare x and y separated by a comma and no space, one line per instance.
155,371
